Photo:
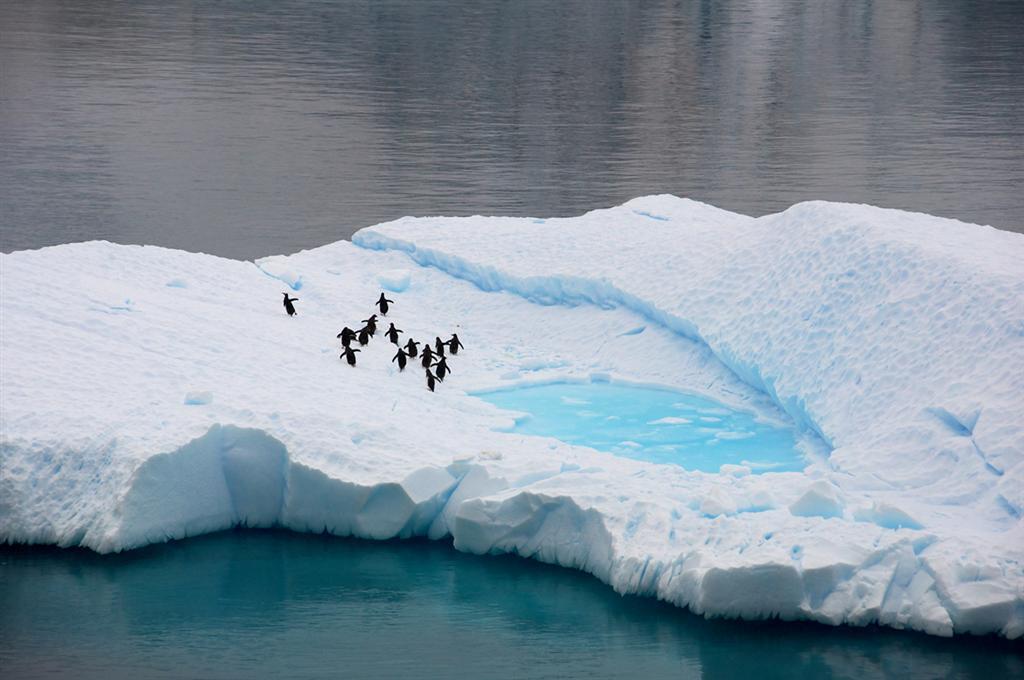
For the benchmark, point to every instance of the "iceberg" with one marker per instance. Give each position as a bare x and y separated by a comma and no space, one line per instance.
150,394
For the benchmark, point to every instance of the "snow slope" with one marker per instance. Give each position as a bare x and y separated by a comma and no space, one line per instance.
150,394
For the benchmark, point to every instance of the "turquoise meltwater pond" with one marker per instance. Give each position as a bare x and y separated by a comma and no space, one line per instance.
654,425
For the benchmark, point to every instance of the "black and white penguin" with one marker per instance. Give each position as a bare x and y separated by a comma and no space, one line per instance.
392,333
441,368
371,324
347,335
410,348
454,345
288,306
438,346
400,358
430,380
382,302
349,355
364,335
428,357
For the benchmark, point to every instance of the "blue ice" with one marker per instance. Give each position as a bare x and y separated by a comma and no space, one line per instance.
654,425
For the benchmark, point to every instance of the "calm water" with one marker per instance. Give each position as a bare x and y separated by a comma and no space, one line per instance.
659,426
275,604
245,128
258,127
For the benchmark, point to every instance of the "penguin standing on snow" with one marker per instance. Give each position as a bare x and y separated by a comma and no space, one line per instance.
392,333
347,335
441,368
349,355
400,358
410,348
288,306
371,324
438,346
364,335
382,302
428,357
430,380
454,345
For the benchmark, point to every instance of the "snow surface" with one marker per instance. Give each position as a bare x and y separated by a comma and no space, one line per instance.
148,394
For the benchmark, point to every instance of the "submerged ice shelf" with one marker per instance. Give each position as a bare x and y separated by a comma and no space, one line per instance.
890,344
654,425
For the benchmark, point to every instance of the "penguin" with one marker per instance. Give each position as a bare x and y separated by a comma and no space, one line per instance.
347,335
364,336
371,324
441,368
454,345
382,302
428,357
400,358
392,333
288,306
438,346
349,355
430,380
410,348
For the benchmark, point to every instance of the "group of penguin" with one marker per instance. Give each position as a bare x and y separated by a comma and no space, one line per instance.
429,357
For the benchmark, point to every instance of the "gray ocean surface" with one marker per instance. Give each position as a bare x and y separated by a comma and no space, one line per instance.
251,128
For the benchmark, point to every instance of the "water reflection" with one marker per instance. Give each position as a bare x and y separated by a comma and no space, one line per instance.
278,604
249,128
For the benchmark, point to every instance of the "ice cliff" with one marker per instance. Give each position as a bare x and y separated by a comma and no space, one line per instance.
150,394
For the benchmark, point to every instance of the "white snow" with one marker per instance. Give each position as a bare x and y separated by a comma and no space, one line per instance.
395,280
820,500
670,420
149,394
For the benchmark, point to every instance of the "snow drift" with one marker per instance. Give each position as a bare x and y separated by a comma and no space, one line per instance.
150,394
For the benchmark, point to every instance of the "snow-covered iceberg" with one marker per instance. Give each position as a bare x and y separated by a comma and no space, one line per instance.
150,394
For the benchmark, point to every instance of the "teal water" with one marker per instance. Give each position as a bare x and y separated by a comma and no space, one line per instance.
272,604
655,425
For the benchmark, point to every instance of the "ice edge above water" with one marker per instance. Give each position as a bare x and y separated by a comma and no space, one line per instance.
699,541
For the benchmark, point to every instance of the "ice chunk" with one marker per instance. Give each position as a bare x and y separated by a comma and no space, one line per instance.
735,470
887,515
820,500
753,591
717,502
670,420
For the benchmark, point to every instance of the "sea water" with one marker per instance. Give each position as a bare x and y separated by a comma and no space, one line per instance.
654,425
275,604
247,129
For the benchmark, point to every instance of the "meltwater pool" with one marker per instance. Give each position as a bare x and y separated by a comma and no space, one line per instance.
655,425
